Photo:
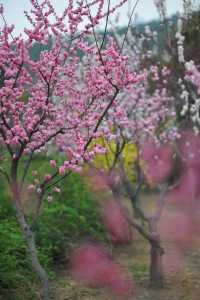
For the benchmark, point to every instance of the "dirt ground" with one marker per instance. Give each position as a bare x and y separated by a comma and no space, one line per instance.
181,283
181,273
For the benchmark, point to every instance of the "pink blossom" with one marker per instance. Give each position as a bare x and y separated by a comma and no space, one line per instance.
53,163
50,199
187,190
115,219
189,145
31,188
56,189
92,266
97,181
34,173
69,123
62,170
47,177
158,161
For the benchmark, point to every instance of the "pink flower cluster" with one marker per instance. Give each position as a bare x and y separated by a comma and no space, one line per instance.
58,99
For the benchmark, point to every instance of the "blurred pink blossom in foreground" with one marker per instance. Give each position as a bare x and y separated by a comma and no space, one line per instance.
189,145
116,223
187,189
91,265
101,180
177,227
97,180
158,161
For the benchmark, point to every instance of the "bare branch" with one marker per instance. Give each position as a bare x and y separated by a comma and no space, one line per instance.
105,30
129,23
146,235
5,174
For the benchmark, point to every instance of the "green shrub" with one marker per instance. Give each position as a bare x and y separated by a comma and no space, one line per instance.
15,268
69,218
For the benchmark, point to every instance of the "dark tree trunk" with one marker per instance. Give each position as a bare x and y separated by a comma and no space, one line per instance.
116,193
156,271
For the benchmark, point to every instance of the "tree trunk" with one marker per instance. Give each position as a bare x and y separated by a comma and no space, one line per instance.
115,192
156,271
29,239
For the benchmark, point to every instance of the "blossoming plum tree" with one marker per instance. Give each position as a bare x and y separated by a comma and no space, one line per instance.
47,101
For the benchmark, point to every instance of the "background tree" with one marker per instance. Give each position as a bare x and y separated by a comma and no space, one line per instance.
143,117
